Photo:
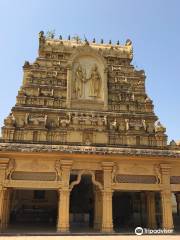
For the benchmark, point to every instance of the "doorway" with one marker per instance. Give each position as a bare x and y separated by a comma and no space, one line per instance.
82,205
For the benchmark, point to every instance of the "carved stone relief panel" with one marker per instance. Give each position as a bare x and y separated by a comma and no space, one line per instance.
87,78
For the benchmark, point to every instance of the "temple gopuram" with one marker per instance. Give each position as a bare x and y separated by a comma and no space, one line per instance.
82,149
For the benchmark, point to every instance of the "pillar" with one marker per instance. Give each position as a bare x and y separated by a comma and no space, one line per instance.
151,210
97,209
63,211
166,200
107,223
1,208
107,218
64,193
4,208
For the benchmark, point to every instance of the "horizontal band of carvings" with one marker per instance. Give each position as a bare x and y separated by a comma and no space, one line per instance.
21,147
32,184
136,187
175,179
34,176
147,179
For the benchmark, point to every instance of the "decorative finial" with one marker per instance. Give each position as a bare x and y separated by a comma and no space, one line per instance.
86,41
60,37
110,42
69,37
94,40
26,64
102,41
50,34
128,42
117,42
41,34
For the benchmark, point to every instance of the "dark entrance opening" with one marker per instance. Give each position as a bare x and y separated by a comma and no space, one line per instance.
130,211
33,211
82,205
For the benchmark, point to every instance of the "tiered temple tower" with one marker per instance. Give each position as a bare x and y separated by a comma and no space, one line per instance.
83,93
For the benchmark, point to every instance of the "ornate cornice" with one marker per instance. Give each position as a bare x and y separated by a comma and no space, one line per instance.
19,147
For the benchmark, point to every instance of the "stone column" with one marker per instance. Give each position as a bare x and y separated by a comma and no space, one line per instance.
4,208
64,192
63,211
107,218
107,222
97,209
2,193
166,199
151,210
6,214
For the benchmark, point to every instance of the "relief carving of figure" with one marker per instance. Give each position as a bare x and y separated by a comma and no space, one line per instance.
79,81
10,169
95,82
113,125
58,170
144,124
84,86
127,124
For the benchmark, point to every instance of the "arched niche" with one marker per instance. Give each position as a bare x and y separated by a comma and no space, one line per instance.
87,80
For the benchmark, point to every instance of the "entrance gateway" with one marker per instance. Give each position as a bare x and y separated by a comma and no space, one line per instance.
82,149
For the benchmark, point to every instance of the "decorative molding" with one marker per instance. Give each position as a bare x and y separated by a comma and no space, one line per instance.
21,147
146,179
34,176
86,172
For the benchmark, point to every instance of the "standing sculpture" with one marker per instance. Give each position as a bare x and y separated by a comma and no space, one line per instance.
95,82
81,83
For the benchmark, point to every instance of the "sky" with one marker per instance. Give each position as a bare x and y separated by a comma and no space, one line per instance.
152,25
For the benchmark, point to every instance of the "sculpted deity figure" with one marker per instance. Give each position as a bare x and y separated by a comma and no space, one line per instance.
144,124
127,124
95,82
79,82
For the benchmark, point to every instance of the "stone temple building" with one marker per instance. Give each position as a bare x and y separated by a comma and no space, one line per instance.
82,149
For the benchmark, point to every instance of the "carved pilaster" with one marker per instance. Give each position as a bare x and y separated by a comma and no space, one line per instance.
107,173
166,197
107,221
64,192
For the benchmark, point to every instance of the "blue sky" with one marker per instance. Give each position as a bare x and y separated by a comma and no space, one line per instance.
152,25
